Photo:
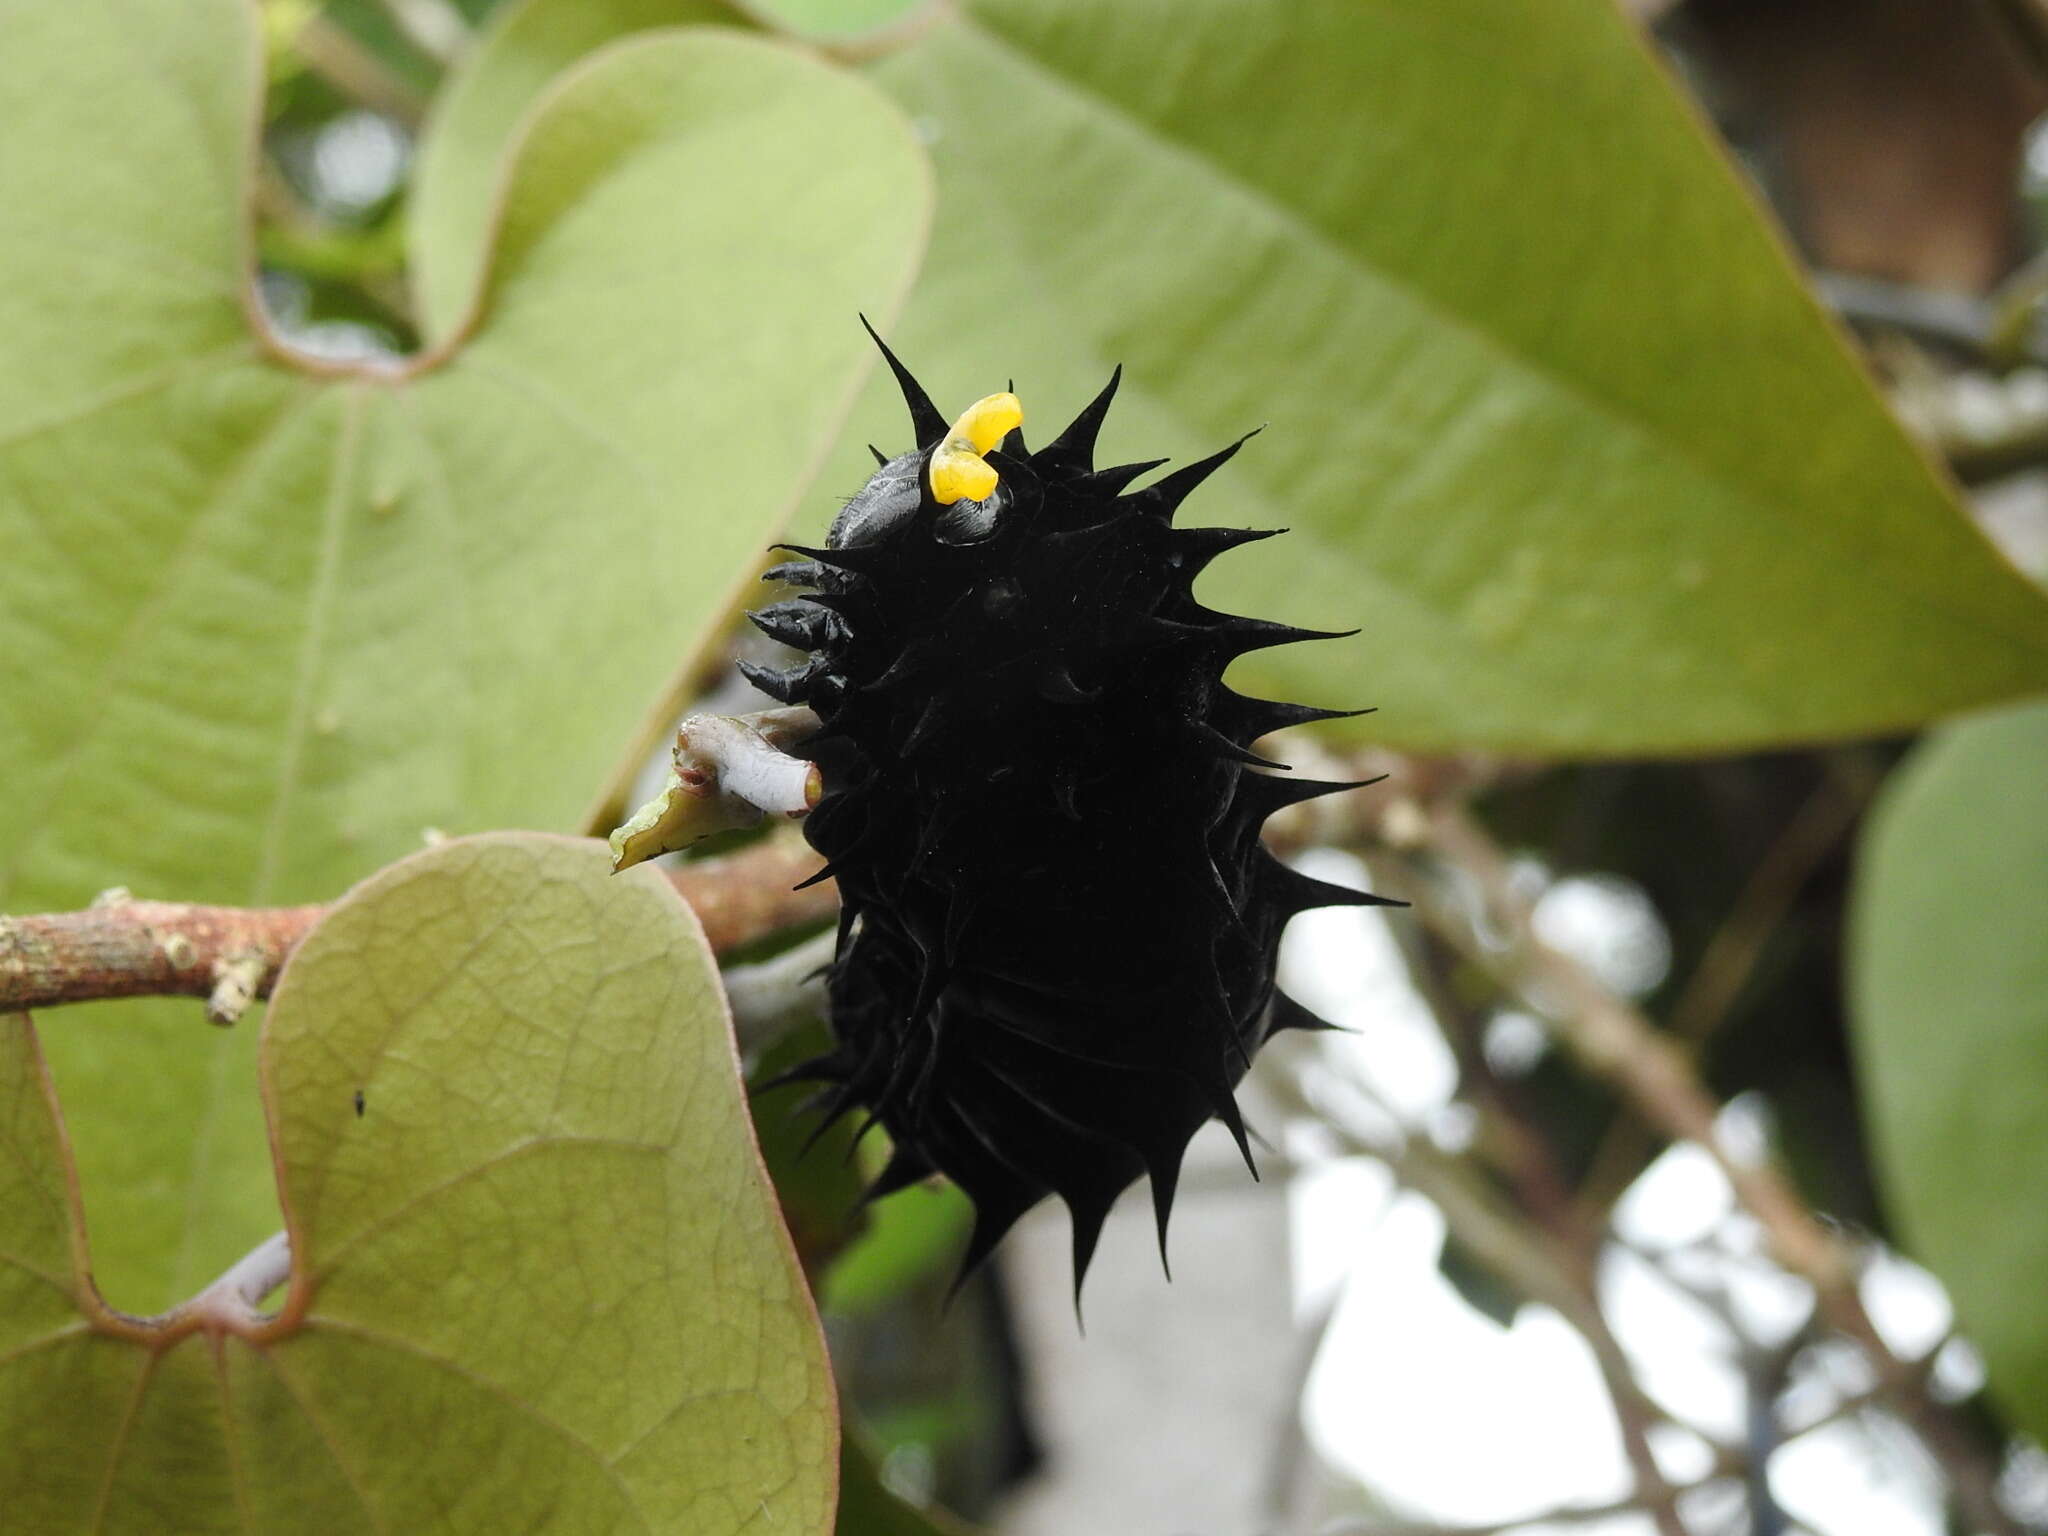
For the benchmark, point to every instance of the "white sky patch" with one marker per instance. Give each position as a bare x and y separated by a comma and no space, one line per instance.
1860,1477
1337,1208
1514,1042
1344,964
1683,1455
1449,1417
1414,1390
1679,1199
1959,1374
1744,1128
356,160
1607,924
2023,1484
1769,1305
1907,1304
1683,1356
339,341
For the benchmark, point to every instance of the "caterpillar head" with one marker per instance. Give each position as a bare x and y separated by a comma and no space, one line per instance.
949,482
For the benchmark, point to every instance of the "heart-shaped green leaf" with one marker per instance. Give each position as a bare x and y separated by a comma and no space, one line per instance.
476,115
1948,974
538,1278
521,49
1553,417
267,620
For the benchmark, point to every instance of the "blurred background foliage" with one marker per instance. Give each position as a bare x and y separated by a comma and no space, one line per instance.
1648,575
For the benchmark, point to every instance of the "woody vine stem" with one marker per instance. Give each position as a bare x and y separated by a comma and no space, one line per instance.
1424,843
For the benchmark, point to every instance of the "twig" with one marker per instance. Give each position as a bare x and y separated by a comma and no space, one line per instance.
1731,956
1394,812
1510,1133
1653,1073
128,948
1815,829
750,894
1573,1244
142,949
1617,1044
1538,1264
344,63
747,757
1985,428
1851,1404
1957,322
231,1302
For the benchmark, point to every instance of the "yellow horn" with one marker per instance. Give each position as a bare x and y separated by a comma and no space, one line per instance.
958,468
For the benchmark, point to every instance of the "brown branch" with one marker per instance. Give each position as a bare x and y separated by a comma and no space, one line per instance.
332,52
1732,954
1654,1073
1393,812
750,894
1539,1263
1511,1137
120,947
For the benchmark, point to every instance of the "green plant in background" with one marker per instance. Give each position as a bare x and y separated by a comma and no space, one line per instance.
1950,986
577,1272
1553,416
306,611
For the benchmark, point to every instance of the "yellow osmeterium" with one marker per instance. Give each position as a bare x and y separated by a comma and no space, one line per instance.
958,469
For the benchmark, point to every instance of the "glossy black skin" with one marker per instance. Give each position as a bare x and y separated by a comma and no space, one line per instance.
1059,927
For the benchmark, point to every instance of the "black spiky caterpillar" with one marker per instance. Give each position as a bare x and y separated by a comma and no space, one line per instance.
1058,928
